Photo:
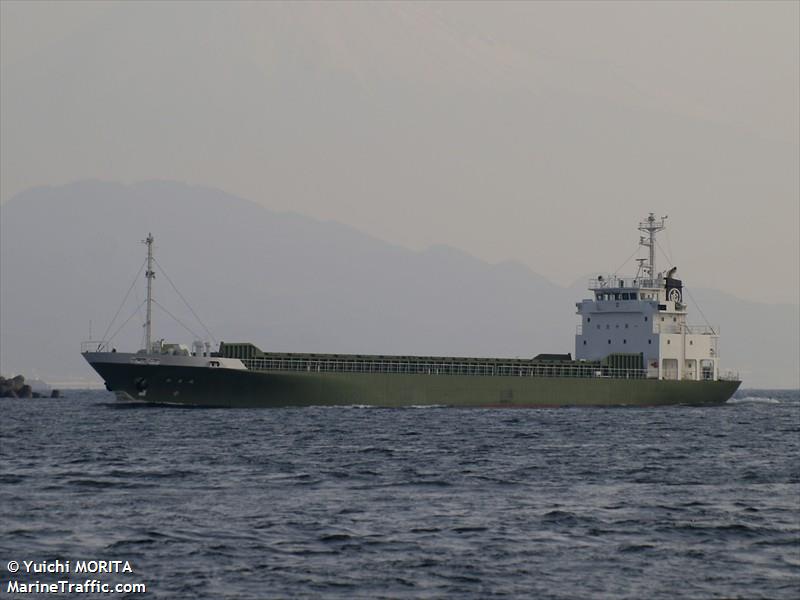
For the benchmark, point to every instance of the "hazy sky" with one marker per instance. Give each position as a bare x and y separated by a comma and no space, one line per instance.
535,131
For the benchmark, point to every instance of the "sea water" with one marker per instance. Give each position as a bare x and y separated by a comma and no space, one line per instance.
673,502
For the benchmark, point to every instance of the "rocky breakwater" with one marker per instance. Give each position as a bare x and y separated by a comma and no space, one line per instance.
15,387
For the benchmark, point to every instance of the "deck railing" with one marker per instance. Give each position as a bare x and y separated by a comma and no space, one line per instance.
672,328
441,368
605,281
729,376
668,327
94,346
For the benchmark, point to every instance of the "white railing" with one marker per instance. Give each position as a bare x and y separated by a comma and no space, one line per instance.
729,375
688,329
604,281
702,329
95,346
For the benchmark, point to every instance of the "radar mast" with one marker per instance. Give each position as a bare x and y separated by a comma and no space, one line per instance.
651,226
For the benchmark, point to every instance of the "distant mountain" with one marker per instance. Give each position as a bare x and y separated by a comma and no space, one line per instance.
291,283
517,118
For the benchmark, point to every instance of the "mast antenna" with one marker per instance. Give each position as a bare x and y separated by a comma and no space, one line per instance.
150,275
651,226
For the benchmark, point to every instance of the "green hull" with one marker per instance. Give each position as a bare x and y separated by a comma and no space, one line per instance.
241,388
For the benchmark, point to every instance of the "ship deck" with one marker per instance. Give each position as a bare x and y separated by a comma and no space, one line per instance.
618,366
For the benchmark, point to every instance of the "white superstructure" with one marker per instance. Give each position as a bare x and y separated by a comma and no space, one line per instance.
646,314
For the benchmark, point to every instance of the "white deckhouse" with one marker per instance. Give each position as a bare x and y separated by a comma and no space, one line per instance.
646,314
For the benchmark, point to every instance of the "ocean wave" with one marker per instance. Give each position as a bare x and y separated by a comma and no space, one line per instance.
754,399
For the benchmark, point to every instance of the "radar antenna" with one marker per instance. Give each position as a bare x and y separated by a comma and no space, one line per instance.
651,226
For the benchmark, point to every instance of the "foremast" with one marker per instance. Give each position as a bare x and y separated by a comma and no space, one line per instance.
150,274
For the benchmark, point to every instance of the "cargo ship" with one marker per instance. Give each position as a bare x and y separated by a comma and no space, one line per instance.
633,347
